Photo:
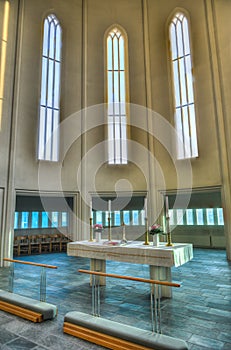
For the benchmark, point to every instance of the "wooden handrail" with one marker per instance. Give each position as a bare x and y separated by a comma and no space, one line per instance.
30,263
130,278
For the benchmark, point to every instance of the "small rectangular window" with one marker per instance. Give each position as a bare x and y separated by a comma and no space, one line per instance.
54,219
199,216
16,220
25,219
45,220
64,222
35,219
220,217
210,216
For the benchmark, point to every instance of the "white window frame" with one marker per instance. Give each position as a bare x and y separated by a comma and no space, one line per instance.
117,94
49,114
183,86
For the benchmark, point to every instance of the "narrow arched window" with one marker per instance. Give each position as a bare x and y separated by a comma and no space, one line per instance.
50,90
117,95
184,106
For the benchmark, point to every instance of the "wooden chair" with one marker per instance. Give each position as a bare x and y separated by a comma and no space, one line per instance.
44,241
16,250
23,245
55,243
34,245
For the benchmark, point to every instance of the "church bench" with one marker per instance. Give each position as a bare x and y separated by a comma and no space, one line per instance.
31,309
117,336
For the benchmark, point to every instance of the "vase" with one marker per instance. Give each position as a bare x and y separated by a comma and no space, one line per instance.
98,235
156,240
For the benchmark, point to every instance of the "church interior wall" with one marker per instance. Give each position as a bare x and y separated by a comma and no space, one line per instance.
84,24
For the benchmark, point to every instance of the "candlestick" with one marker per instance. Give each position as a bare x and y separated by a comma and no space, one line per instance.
91,231
166,206
146,242
90,208
145,207
109,228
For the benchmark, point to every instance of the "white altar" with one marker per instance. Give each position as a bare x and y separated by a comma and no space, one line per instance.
160,259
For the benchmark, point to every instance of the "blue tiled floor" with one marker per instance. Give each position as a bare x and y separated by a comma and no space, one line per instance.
199,311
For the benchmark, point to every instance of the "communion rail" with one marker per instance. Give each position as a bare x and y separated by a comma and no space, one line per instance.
115,335
31,309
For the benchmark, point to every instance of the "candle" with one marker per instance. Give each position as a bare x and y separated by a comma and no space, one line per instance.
145,207
109,205
90,208
166,206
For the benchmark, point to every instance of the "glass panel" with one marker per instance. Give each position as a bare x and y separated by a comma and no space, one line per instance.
54,219
58,44
42,122
64,219
121,53
173,41
24,219
55,136
176,78
50,83
126,217
117,218
179,39
35,219
116,92
186,132
99,218
115,53
45,220
110,91
210,216
186,36
57,85
45,38
193,131
109,53
52,38
171,217
189,217
182,81
189,79
179,214
220,217
16,220
122,92
180,140
135,217
48,146
199,216
44,81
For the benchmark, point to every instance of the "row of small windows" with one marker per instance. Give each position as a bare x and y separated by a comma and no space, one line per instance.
205,216
117,90
36,219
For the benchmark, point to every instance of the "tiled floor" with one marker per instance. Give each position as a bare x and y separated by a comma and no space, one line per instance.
199,311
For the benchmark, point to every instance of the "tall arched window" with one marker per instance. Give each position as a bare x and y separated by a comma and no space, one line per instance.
185,119
117,95
50,90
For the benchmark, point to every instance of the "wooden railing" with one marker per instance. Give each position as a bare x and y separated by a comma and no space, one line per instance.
154,294
42,275
30,263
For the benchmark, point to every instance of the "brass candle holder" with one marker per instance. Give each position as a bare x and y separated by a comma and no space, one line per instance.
146,242
91,231
169,236
109,228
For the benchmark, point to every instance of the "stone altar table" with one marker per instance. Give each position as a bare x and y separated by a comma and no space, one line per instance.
160,259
